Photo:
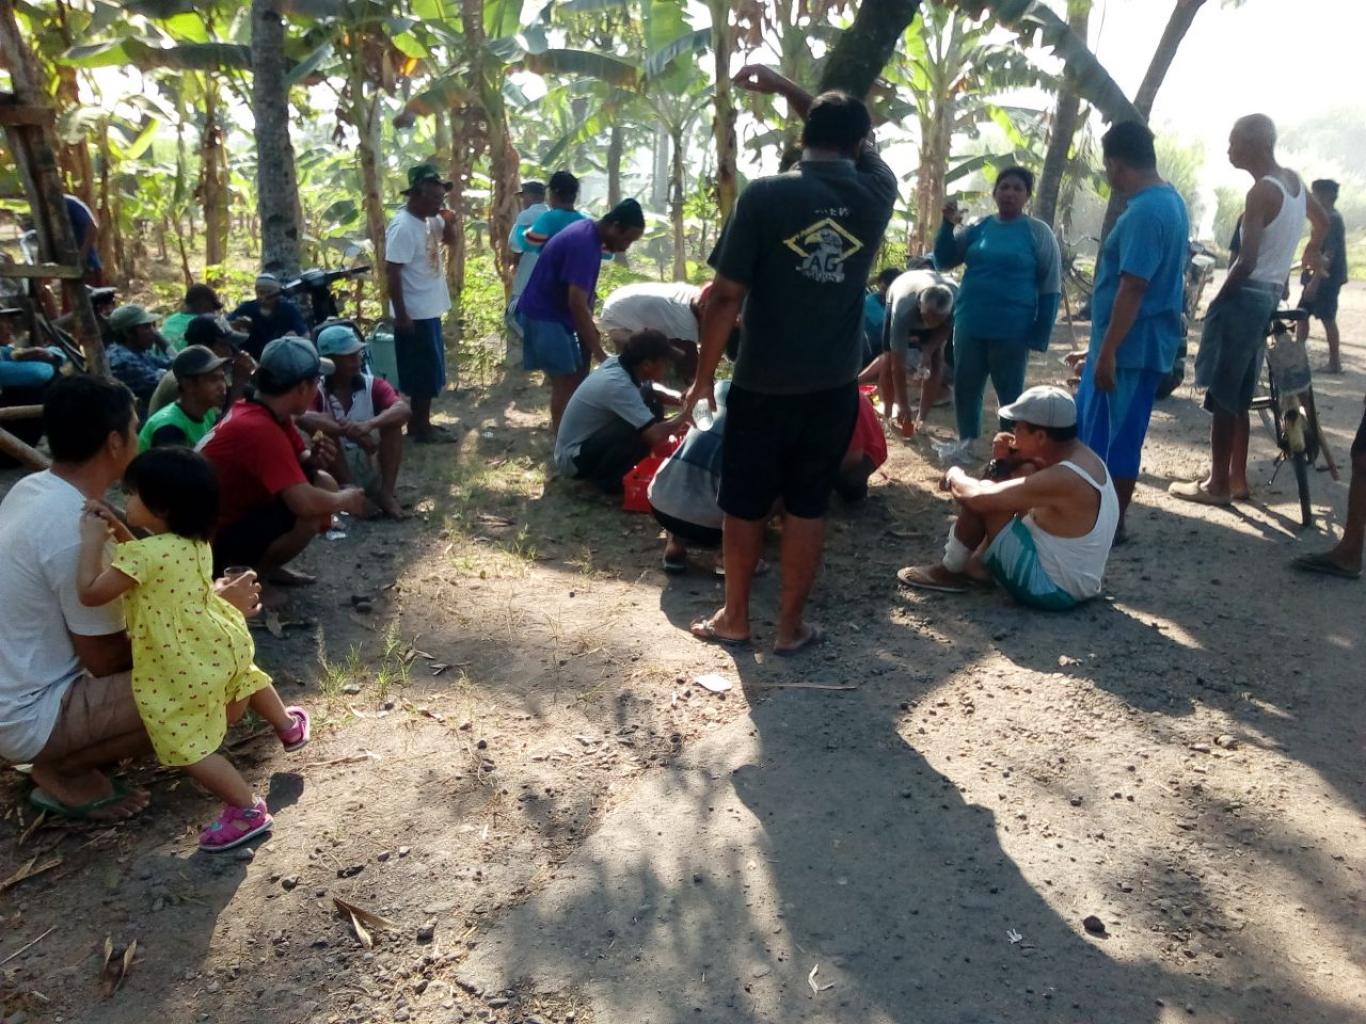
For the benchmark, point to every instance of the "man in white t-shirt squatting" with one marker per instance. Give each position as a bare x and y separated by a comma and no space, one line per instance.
66,693
674,308
418,298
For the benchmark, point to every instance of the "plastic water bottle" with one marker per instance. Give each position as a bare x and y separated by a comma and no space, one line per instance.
702,415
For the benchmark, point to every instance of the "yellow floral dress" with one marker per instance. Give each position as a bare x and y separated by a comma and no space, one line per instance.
192,652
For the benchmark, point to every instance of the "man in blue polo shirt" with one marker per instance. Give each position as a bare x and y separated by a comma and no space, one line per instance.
1137,306
556,310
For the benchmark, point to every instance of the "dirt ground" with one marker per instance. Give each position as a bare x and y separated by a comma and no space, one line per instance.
513,765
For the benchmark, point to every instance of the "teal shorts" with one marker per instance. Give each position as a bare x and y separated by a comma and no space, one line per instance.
1013,561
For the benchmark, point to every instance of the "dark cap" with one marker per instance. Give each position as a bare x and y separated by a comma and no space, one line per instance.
195,360
532,188
208,330
289,361
425,172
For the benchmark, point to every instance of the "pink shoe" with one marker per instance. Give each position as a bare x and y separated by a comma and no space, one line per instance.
235,826
296,735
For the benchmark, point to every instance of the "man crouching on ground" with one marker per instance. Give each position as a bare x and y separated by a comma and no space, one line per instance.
1044,537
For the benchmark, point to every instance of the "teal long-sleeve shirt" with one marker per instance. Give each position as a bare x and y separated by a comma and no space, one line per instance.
1013,282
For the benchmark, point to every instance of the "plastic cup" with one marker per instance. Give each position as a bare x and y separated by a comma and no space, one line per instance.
702,415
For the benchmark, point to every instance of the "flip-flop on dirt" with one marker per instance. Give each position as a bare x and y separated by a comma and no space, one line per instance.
45,801
674,565
1191,490
1324,565
915,576
705,629
814,635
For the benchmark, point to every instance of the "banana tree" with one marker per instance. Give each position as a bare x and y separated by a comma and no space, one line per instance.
1066,117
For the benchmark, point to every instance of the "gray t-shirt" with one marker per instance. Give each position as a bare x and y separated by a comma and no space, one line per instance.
607,394
803,242
903,324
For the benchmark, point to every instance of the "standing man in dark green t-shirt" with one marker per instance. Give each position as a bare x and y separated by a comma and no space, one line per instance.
796,254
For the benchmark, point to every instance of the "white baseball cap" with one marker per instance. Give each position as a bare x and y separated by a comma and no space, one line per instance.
1043,406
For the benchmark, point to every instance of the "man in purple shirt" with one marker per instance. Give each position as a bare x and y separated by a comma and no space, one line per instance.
556,309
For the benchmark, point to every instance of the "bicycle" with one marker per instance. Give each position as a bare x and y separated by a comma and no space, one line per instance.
1287,407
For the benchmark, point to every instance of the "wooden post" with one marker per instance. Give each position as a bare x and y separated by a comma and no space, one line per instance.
34,147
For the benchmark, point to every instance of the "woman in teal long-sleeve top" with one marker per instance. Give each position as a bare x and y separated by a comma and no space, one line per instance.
1008,300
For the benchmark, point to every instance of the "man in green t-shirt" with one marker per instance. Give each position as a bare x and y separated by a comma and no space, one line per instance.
203,387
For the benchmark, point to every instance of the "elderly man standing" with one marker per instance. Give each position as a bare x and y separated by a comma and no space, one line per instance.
1044,537
137,358
1233,342
796,254
364,415
270,315
418,297
66,696
1138,305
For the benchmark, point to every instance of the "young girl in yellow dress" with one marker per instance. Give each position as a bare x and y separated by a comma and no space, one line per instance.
193,656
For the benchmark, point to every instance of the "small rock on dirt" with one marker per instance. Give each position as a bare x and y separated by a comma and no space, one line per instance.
498,1002
426,933
289,882
1093,925
350,870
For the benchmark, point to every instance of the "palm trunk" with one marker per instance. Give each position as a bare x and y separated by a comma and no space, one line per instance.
213,185
277,182
364,116
676,208
723,121
865,47
1182,16
457,146
1065,120
659,171
616,146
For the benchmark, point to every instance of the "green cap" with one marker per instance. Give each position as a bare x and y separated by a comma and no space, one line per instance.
125,318
425,172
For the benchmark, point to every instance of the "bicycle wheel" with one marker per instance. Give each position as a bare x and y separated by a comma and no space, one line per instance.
1301,462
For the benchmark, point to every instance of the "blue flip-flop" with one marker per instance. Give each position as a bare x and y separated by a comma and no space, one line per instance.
45,801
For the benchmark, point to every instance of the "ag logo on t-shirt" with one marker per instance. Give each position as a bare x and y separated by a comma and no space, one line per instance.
824,246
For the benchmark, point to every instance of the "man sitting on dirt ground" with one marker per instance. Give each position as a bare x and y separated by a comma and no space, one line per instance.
212,332
275,497
1345,559
66,697
796,254
919,316
364,415
614,418
674,308
268,316
1044,537
138,356
202,388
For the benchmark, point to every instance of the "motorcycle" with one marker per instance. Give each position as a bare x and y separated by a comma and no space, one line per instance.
312,290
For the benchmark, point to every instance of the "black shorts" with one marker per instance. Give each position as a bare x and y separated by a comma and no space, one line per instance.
785,446
689,533
1324,305
245,541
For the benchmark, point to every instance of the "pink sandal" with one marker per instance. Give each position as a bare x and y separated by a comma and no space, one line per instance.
235,826
296,735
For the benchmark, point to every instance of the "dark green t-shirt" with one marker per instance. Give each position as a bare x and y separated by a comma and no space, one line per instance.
803,242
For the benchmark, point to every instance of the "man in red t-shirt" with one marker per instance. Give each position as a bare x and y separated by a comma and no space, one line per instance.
364,415
273,497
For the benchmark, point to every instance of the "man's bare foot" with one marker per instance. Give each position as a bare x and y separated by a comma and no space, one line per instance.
78,792
284,576
389,506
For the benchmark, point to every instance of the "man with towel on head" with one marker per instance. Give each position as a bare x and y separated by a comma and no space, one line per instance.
268,316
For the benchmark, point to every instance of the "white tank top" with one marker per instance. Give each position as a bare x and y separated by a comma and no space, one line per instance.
1077,564
1281,237
362,408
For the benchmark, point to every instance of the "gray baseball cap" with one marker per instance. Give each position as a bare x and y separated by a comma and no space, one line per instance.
1043,406
194,361
291,360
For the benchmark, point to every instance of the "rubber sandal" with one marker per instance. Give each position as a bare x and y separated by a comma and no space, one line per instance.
297,735
914,576
1325,566
705,630
235,826
814,635
45,801
1191,490
674,566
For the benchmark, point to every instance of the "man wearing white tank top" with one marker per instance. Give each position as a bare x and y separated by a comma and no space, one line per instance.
1233,342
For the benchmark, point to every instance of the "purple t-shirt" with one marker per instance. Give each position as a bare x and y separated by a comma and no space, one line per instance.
572,257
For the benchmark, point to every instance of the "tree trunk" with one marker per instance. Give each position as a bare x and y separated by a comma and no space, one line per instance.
213,185
1065,120
457,141
865,47
723,102
616,145
659,176
364,117
277,182
1182,16
676,208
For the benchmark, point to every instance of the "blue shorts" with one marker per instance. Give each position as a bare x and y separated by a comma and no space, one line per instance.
1013,561
1233,346
421,359
1114,423
550,346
